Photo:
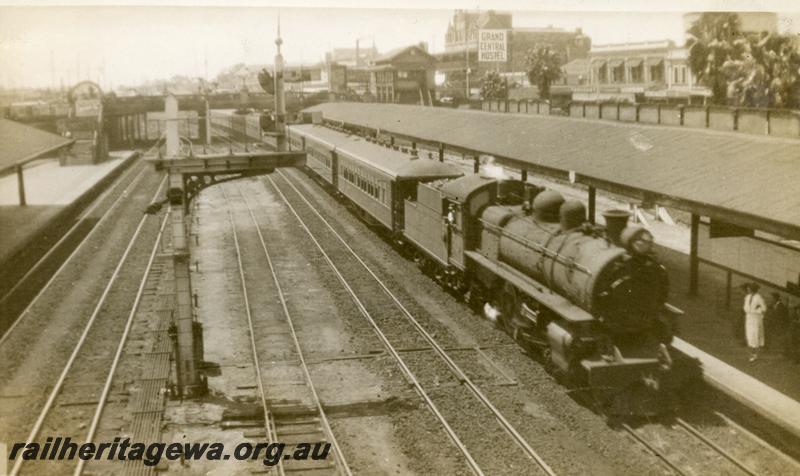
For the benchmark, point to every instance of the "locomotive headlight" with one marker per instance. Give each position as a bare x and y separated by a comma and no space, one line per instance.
637,240
642,243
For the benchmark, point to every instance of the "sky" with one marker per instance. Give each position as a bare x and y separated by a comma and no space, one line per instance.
52,43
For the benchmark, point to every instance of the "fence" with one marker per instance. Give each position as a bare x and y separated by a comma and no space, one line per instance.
523,106
772,122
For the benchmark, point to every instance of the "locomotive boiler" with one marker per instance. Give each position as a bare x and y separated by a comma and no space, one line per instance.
611,274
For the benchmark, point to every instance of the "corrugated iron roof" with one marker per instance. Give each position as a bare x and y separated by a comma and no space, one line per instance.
19,142
746,174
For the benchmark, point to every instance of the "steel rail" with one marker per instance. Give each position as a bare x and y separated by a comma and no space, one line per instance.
791,461
462,376
389,347
317,402
74,252
655,451
81,220
267,427
122,341
721,451
68,366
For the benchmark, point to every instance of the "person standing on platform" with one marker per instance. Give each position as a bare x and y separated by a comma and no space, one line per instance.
754,309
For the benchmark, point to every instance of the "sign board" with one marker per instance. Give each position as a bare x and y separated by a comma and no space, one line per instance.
87,107
492,45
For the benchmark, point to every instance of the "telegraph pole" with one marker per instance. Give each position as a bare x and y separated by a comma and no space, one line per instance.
280,106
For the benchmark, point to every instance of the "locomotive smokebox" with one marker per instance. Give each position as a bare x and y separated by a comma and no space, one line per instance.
616,221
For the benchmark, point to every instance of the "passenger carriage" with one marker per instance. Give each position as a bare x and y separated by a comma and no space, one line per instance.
376,178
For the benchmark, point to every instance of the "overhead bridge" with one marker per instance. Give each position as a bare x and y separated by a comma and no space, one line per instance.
201,171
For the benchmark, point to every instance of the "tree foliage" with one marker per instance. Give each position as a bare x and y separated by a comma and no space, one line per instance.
543,66
712,42
755,70
494,86
766,74
266,81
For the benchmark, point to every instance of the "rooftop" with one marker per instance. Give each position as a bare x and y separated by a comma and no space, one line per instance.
639,45
393,54
20,142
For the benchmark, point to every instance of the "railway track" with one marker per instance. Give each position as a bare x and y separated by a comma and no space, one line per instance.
15,297
686,449
394,323
273,339
83,383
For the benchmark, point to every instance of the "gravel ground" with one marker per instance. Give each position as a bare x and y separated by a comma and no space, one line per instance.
35,354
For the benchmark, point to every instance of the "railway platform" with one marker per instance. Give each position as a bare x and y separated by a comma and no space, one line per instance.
54,193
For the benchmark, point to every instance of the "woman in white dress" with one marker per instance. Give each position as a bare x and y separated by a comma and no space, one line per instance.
754,309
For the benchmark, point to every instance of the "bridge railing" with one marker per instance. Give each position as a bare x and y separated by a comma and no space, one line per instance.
771,122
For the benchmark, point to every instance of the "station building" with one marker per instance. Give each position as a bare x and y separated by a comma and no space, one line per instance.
638,72
404,76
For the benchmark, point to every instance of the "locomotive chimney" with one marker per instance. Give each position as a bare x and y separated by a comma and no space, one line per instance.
616,221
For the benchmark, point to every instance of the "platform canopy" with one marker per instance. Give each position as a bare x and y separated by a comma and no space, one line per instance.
749,180
20,143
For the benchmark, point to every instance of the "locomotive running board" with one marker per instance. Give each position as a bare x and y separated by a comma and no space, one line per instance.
533,288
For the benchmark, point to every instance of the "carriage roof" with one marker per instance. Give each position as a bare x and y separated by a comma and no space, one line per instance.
399,165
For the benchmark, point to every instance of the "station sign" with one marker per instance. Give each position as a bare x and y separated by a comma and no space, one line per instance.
87,107
493,46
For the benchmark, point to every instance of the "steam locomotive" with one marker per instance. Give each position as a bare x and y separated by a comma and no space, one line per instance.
590,301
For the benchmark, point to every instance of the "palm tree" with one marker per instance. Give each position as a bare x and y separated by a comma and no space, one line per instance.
712,42
767,74
544,68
